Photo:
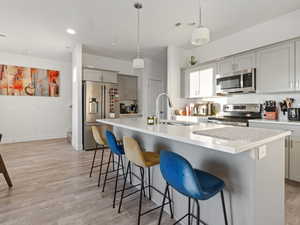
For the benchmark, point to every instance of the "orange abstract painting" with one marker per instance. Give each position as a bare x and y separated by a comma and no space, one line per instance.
25,81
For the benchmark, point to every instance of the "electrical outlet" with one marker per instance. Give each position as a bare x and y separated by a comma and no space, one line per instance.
262,152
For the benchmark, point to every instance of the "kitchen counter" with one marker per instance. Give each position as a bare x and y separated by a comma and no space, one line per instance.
249,160
215,137
285,122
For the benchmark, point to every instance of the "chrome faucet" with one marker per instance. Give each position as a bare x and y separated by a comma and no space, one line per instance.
157,105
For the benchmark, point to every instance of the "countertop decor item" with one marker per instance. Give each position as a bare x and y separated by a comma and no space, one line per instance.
193,61
285,104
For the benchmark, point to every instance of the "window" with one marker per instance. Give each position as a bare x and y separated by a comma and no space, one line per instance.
201,83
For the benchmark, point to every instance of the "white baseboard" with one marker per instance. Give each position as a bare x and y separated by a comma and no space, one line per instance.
27,139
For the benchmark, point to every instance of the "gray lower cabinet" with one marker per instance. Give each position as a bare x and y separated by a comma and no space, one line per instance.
294,159
292,147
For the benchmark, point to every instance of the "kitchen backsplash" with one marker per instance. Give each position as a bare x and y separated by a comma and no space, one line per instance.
243,98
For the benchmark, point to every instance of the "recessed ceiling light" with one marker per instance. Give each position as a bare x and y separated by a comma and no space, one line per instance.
2,35
71,31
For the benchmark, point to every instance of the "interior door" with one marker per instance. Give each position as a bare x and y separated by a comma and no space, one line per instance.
155,88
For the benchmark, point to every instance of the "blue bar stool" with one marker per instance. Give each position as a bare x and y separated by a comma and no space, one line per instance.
195,184
117,150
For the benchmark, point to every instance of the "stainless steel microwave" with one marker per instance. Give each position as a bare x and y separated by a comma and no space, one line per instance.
240,82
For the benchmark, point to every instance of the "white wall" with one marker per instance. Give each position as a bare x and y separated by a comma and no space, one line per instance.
278,29
26,118
77,97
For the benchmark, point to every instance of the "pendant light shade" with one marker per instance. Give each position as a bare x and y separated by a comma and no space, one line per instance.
138,62
201,34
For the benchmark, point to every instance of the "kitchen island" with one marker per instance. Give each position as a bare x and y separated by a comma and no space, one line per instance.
249,160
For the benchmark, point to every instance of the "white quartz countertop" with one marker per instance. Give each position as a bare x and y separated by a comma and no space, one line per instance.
286,122
216,137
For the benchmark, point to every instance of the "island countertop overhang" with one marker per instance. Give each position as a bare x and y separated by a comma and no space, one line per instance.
252,138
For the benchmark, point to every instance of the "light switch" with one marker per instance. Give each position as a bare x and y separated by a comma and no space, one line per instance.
262,152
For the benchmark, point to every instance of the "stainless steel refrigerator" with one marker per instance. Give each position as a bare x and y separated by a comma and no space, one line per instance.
100,101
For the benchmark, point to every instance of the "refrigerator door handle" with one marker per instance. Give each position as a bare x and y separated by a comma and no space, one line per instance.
104,97
101,102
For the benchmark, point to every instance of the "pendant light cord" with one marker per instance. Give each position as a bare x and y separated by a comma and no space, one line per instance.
200,14
138,33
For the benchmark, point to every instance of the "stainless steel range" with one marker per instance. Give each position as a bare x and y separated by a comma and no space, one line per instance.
237,114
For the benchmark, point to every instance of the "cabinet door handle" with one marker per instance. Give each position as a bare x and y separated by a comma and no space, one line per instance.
292,84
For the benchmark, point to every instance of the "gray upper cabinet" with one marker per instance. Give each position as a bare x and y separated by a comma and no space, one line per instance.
109,76
297,65
244,61
128,87
100,75
275,69
92,75
230,65
225,66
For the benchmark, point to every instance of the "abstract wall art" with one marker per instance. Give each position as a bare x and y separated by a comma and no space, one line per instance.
25,81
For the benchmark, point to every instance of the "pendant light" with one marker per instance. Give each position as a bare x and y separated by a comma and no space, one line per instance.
138,62
201,34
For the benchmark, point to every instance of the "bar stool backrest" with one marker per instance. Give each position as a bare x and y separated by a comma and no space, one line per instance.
113,144
133,151
99,134
179,173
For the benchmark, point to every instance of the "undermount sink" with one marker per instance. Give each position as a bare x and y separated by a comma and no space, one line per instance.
176,123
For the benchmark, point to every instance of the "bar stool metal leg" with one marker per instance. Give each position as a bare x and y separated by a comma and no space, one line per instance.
130,176
198,212
163,204
93,163
116,182
107,168
224,208
149,182
170,203
189,212
141,195
124,184
100,170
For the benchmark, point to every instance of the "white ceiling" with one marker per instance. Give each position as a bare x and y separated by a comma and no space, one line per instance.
37,27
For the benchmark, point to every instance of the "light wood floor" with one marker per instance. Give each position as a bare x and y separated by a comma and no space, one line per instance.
52,187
